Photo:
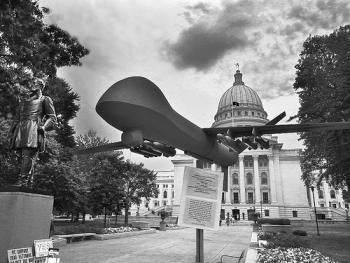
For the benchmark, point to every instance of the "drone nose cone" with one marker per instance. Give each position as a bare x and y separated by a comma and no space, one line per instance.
138,91
131,101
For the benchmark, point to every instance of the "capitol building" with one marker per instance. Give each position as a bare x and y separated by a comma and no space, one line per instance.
267,181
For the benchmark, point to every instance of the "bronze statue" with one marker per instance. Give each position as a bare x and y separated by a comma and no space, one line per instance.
35,115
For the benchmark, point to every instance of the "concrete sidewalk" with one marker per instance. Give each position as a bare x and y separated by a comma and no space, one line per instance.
168,246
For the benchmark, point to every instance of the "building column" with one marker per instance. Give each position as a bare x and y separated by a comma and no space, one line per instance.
272,180
278,177
326,193
179,162
241,180
256,179
229,182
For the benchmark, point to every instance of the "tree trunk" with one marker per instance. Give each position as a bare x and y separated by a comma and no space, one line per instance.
116,218
126,219
105,221
84,214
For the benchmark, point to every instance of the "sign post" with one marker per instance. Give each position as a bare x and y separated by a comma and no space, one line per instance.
200,203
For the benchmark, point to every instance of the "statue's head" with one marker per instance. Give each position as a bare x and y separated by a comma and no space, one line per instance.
37,86
34,87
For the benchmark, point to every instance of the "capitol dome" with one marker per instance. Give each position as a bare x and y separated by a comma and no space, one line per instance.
240,105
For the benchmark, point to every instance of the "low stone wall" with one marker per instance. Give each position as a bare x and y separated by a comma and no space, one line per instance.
140,224
153,221
121,235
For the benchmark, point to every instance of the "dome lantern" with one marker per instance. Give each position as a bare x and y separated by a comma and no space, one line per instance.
238,78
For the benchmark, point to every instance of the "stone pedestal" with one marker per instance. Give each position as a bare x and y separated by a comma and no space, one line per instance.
24,217
162,226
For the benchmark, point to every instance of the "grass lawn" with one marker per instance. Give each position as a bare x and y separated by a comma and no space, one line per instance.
334,239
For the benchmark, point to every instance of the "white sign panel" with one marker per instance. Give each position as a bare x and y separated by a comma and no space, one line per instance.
201,198
20,255
42,247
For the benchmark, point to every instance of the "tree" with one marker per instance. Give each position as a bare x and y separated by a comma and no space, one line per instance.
323,86
86,164
137,182
105,182
31,48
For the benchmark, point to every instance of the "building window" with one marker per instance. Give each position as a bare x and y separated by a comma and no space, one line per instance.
249,178
235,179
322,205
265,197
248,161
172,186
157,185
246,113
334,205
235,198
320,194
263,161
347,206
239,113
223,198
172,194
250,198
263,178
332,193
295,213
252,113
164,203
267,212
156,203
165,194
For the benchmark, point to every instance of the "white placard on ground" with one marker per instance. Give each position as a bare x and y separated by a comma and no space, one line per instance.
42,246
20,255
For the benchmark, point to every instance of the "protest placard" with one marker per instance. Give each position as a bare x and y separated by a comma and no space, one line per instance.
41,247
20,255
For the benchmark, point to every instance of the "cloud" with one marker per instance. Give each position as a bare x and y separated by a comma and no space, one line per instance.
209,37
322,14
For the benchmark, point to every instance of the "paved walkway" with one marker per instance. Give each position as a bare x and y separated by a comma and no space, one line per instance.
169,246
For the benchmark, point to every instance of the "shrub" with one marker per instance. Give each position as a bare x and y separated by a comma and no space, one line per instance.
286,240
266,235
274,221
291,255
299,233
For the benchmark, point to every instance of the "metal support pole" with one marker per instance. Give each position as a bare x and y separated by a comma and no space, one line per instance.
261,214
199,245
313,197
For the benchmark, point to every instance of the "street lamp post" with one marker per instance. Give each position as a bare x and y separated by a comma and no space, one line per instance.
313,197
261,214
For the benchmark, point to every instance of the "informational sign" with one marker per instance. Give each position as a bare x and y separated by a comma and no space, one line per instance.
42,246
20,255
201,198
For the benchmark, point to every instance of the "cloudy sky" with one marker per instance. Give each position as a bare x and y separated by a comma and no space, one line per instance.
189,48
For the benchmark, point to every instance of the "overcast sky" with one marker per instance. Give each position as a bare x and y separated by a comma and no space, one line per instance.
189,48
